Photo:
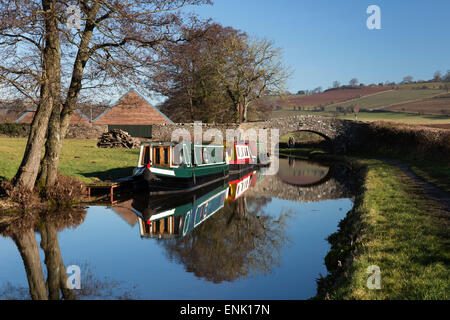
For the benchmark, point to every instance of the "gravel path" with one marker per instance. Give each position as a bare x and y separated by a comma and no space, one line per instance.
431,190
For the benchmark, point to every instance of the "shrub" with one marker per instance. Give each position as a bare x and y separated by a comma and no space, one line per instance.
19,195
66,191
14,129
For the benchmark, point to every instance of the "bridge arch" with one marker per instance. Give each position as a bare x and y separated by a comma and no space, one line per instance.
317,139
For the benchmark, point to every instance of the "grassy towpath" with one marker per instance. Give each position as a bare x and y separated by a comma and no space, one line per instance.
395,224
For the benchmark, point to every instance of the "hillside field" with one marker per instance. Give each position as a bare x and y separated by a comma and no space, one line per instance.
324,98
385,99
407,103
438,105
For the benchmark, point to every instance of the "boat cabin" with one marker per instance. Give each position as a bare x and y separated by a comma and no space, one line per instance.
181,160
238,153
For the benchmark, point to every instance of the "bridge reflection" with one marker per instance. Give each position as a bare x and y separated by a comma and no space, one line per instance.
303,173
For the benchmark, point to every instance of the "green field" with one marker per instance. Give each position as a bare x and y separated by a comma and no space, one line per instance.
387,98
79,158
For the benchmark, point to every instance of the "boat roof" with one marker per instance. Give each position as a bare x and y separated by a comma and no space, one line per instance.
168,143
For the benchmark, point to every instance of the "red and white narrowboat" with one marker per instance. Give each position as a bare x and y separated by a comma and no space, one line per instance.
238,156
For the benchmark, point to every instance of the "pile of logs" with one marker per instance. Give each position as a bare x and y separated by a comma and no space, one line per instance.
117,139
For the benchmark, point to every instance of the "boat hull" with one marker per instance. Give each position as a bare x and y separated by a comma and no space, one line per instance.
240,167
158,184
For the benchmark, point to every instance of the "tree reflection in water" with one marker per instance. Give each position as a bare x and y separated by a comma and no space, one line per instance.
236,242
21,229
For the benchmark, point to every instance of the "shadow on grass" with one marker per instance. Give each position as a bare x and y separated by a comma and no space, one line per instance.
111,174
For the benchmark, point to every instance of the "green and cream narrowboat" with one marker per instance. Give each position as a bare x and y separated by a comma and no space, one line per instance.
174,167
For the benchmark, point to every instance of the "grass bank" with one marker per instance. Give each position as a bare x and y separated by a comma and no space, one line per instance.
79,158
394,226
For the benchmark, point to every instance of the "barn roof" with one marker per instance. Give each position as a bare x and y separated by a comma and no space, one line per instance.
134,101
77,117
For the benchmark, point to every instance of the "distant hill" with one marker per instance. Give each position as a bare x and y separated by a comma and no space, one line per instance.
419,98
326,98
387,98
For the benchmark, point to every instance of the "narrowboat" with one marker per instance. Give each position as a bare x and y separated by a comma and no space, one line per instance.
176,221
238,156
169,167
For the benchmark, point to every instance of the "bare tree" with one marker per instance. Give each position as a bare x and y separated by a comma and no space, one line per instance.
353,82
437,76
356,111
219,73
446,78
49,64
336,84
187,74
408,79
252,68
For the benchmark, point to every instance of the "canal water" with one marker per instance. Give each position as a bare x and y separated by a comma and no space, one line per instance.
255,236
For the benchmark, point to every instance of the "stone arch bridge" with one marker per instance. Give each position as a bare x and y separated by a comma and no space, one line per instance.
342,134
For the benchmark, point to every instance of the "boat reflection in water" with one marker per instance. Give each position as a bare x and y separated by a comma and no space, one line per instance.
173,217
176,216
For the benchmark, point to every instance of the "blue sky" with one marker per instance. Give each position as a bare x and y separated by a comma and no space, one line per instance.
323,41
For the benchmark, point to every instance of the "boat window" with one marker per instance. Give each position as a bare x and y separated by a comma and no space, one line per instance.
157,156
146,156
178,158
187,155
197,155
205,156
166,156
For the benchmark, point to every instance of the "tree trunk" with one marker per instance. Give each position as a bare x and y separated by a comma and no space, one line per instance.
29,168
49,164
240,112
244,111
29,251
60,118
27,174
